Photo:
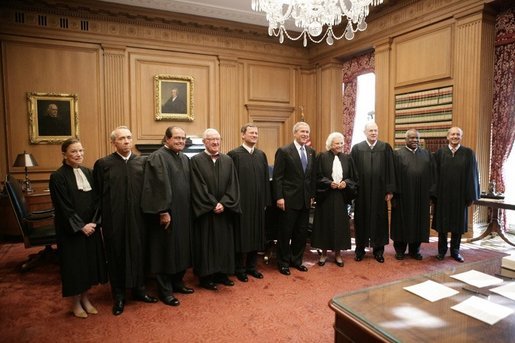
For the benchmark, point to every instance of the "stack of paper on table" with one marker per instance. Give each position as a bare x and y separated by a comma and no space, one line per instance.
477,279
508,262
431,290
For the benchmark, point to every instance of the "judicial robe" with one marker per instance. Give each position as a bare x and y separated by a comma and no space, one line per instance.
457,188
166,188
254,184
81,257
331,229
119,185
415,175
376,176
213,234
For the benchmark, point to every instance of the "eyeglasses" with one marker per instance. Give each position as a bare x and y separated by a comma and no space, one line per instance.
213,139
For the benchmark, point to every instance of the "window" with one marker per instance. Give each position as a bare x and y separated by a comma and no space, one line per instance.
365,105
509,189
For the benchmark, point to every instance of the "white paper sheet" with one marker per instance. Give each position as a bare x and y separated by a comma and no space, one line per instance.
483,310
477,279
507,290
431,290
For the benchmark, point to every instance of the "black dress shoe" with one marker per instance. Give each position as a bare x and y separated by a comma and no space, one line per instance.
301,268
170,300
209,285
417,256
242,277
118,307
183,290
379,258
284,270
339,263
145,298
255,274
440,257
399,256
458,258
359,257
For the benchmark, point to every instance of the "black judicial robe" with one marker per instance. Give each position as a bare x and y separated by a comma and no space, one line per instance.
213,234
331,222
166,188
81,258
415,175
376,176
457,188
254,184
119,185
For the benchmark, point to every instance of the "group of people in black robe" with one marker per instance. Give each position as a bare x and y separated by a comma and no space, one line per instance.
166,212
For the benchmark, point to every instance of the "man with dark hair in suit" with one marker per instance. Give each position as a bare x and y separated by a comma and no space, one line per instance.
294,191
457,189
374,164
119,181
252,167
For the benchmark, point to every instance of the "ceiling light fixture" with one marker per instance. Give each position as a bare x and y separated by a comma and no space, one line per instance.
312,15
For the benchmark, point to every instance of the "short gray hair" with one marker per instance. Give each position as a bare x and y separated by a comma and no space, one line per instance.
331,138
298,124
113,133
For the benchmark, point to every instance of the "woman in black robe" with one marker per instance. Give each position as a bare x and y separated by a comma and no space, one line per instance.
336,186
79,240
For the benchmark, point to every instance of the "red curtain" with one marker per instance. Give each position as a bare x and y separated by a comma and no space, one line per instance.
351,70
503,115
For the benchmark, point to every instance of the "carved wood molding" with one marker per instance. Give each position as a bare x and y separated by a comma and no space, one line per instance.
269,113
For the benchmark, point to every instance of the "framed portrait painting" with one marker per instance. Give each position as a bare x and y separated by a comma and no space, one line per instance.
173,97
53,117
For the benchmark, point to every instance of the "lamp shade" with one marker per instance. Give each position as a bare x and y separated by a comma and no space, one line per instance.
25,160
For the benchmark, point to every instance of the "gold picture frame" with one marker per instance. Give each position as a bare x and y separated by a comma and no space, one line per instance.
173,97
53,117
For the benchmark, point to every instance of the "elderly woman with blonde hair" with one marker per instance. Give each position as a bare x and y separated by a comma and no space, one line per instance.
336,186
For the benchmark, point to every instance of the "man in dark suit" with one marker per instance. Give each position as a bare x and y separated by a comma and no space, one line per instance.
294,192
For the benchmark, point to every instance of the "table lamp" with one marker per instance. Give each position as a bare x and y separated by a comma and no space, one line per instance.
26,160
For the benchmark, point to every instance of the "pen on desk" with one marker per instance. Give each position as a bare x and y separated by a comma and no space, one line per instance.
476,291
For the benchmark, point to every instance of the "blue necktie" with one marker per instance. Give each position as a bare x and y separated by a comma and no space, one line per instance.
303,158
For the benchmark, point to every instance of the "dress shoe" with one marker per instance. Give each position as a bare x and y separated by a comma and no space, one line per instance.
242,277
118,307
301,268
145,298
417,256
321,261
183,290
170,300
359,257
284,270
440,257
399,256
209,285
80,314
379,258
458,258
255,273
339,261
224,280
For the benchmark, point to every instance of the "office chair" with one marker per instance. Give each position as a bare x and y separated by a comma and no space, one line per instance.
43,235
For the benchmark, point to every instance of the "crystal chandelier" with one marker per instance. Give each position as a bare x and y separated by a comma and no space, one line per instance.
310,16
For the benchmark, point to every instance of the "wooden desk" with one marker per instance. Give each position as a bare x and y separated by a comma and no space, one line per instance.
496,207
388,313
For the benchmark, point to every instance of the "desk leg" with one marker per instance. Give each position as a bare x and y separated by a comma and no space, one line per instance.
492,227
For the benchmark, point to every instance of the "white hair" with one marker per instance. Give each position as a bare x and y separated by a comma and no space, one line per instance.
332,136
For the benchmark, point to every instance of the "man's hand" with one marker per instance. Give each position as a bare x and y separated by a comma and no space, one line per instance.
388,197
280,203
219,208
165,220
89,229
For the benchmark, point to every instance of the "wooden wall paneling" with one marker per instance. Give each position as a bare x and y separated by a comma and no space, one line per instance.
308,103
384,107
35,65
230,99
275,124
4,159
144,65
331,106
270,83
116,92
424,55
